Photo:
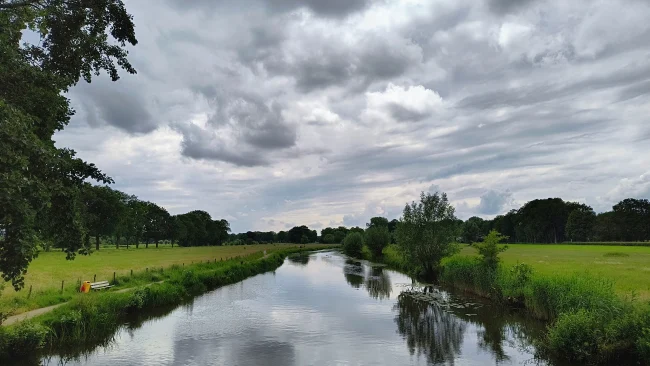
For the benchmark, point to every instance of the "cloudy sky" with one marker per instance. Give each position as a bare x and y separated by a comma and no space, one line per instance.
272,113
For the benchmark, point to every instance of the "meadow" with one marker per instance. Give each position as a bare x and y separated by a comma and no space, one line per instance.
627,266
46,272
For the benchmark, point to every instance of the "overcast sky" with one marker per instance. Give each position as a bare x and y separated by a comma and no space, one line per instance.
272,113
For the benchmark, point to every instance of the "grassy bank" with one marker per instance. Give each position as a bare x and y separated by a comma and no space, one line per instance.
93,318
46,272
592,320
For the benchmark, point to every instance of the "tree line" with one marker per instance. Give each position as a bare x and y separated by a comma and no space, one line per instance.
127,220
553,220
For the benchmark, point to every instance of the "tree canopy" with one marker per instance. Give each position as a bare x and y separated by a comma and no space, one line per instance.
40,184
427,231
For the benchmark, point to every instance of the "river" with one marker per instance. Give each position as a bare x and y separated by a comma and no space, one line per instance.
323,309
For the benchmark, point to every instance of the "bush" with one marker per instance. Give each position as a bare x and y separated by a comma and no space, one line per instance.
489,250
377,238
353,245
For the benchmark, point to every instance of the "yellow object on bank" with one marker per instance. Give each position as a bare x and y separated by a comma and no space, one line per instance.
85,286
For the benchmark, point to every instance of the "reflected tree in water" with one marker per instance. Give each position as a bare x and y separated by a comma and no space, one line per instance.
429,329
354,273
378,283
299,258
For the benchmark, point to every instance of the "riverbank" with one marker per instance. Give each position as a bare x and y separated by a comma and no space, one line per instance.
52,280
589,322
95,317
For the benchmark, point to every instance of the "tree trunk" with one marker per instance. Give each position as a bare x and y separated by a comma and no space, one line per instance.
156,243
97,242
172,243
146,244
117,242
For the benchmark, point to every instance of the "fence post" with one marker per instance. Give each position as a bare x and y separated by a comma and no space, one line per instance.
146,269
113,277
131,273
94,278
30,292
62,286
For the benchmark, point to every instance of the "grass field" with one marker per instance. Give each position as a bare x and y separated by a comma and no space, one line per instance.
50,268
629,267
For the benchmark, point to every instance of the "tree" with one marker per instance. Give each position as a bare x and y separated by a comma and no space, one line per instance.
580,225
295,235
489,250
426,232
220,228
472,229
156,223
353,244
633,218
377,221
37,179
328,239
102,209
282,237
377,238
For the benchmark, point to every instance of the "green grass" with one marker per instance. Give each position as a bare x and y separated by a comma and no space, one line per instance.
47,271
627,267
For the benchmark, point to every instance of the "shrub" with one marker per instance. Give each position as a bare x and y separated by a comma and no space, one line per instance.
377,238
489,250
353,245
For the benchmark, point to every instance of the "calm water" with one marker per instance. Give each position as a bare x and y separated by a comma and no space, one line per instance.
322,309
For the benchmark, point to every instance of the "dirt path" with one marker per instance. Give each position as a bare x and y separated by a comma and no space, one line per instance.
29,314
36,312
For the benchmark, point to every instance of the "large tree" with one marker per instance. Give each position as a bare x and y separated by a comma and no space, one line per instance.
426,232
77,38
633,218
377,221
103,207
156,223
580,225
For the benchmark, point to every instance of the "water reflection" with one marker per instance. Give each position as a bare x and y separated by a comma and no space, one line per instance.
429,329
299,258
354,273
378,283
307,314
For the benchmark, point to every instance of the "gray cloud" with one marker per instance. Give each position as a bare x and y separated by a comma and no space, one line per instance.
283,107
505,6
330,8
199,143
116,105
494,202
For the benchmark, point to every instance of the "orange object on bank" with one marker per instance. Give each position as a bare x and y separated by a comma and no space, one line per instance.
85,287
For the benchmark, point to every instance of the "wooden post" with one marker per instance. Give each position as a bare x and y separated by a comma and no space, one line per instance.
131,273
183,264
146,269
62,286
94,278
30,292
113,277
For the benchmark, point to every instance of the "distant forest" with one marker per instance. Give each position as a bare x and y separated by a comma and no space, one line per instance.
550,220
109,215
